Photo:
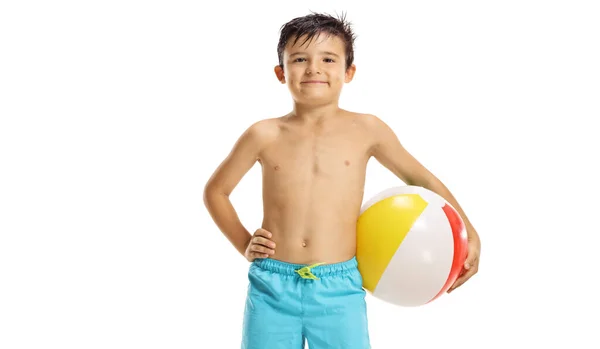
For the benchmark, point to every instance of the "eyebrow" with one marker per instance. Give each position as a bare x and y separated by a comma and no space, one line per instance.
325,52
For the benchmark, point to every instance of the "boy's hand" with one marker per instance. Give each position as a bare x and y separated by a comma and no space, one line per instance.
471,264
260,245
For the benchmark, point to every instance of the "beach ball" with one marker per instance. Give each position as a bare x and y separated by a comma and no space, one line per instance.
411,245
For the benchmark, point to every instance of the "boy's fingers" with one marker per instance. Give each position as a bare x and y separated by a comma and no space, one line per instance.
261,246
262,241
470,262
259,255
262,232
457,284
462,279
261,249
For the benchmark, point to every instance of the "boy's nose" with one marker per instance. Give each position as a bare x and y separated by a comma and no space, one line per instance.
313,68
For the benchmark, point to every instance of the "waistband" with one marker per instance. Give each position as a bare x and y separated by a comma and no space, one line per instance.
285,268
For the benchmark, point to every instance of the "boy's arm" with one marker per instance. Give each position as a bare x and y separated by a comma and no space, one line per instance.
226,177
389,152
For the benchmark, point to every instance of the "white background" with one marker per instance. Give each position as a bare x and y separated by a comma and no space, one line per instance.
113,114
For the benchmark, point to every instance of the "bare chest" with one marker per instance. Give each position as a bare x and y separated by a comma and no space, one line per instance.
330,154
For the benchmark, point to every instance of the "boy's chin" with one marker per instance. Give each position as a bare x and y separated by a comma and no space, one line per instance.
315,100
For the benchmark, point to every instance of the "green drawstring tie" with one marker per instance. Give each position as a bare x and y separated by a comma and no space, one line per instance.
305,272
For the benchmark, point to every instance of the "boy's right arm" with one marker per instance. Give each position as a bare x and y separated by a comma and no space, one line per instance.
226,177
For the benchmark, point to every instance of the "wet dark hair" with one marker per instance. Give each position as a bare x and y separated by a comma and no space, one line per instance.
314,24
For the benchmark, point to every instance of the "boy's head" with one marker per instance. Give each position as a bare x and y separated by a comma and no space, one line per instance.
311,26
316,56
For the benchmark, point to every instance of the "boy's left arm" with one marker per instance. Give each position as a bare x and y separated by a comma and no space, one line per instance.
390,153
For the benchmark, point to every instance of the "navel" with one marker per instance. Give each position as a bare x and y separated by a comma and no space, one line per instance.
315,168
347,163
276,167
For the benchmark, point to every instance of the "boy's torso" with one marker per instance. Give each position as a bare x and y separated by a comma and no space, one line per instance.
313,182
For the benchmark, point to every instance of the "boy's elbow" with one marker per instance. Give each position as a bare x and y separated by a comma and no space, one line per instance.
209,189
212,191
208,194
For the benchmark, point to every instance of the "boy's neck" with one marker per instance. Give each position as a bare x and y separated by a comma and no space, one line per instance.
312,113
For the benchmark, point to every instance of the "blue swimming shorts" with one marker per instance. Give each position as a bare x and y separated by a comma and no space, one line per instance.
288,305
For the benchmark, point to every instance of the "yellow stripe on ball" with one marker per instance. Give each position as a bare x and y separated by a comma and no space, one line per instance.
380,230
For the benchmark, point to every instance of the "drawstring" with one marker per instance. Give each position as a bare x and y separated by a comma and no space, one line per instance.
305,272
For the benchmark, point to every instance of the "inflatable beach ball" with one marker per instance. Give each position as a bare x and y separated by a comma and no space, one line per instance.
411,245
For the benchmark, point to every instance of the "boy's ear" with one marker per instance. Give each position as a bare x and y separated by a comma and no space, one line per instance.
279,73
350,73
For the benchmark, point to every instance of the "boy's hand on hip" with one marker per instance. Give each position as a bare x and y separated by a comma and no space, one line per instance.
260,245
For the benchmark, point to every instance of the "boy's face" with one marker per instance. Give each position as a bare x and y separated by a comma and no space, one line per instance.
315,71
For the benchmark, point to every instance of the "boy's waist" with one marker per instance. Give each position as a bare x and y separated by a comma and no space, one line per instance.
309,271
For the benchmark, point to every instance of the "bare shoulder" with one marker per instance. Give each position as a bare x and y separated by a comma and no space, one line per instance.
375,123
264,131
258,136
243,155
254,140
370,121
374,127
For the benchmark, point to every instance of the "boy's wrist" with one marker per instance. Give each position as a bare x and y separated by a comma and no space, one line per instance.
242,249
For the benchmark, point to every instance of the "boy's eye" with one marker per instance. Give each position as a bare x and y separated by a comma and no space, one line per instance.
302,59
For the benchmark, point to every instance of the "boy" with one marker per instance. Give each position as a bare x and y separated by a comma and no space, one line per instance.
304,283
